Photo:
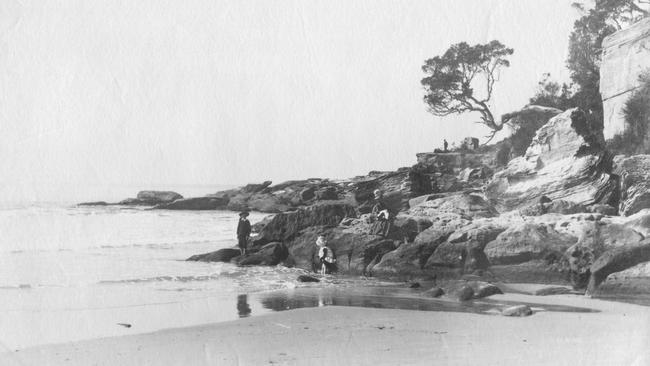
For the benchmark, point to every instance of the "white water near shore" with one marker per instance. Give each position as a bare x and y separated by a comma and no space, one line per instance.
70,273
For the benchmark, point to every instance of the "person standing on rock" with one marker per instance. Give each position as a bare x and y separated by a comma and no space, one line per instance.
382,216
326,256
446,145
243,232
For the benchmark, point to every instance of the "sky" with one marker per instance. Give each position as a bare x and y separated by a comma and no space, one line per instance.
159,93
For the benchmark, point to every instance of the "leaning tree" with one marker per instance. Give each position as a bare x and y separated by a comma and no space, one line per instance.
462,80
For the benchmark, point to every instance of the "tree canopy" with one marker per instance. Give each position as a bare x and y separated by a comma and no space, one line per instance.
462,80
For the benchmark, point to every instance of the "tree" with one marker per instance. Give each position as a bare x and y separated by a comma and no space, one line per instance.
585,47
452,78
551,94
619,13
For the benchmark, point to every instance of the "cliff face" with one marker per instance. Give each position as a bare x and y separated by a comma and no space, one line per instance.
626,54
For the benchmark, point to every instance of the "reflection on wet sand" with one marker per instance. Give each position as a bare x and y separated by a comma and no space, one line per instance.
388,299
243,309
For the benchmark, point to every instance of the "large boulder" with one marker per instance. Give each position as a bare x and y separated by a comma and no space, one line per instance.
284,226
463,250
468,205
195,203
356,252
408,259
635,183
151,198
254,187
270,254
616,260
526,242
593,242
565,161
156,197
221,255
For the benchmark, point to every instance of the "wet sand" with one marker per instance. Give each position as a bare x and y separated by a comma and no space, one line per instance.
609,333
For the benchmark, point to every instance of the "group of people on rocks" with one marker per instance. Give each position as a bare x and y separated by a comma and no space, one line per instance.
380,216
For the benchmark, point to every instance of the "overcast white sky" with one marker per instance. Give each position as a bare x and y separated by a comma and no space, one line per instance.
147,93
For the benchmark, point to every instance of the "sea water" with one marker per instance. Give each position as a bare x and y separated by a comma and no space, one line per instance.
70,273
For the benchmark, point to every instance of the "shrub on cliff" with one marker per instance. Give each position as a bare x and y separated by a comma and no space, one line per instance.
635,139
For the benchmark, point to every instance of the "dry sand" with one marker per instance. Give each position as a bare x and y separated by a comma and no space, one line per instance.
619,334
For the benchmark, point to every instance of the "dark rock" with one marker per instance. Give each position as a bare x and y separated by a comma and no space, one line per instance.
284,226
305,278
195,203
307,194
462,293
616,260
603,209
327,193
526,242
635,183
97,203
254,188
258,226
156,197
411,226
486,290
467,205
357,253
415,285
553,290
463,251
408,259
433,292
270,255
221,255
517,310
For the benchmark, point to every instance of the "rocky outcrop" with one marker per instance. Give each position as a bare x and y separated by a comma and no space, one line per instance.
565,161
270,254
526,242
96,203
517,310
463,204
285,226
195,203
635,183
151,198
625,56
356,252
221,255
616,260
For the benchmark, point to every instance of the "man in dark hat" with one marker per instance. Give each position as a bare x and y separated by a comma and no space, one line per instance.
243,231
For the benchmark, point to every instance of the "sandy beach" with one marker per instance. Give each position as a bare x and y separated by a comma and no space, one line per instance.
612,334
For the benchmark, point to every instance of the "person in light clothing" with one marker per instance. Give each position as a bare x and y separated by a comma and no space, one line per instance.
326,256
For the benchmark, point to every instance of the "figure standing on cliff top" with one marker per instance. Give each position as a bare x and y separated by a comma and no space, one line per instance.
445,145
243,232
381,215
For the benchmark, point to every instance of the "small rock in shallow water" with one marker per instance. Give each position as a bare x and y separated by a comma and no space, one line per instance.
553,290
518,310
487,290
305,278
434,292
463,293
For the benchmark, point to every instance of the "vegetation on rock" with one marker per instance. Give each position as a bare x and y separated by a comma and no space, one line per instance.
453,77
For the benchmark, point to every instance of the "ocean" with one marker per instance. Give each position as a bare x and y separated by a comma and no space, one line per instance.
70,273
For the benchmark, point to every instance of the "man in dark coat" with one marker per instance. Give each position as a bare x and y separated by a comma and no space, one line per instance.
243,232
